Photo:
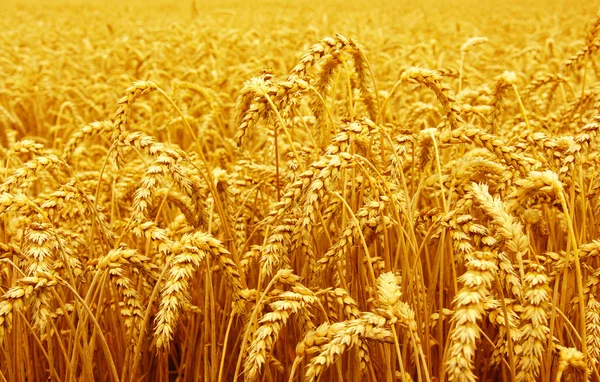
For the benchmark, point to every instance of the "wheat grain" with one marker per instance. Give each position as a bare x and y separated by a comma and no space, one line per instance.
469,309
534,322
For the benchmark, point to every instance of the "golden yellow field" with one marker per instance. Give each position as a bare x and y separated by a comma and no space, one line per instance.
299,190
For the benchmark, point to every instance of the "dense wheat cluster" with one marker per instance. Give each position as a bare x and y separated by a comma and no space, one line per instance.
292,191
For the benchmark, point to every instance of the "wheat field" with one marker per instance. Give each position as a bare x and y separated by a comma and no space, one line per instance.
299,191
